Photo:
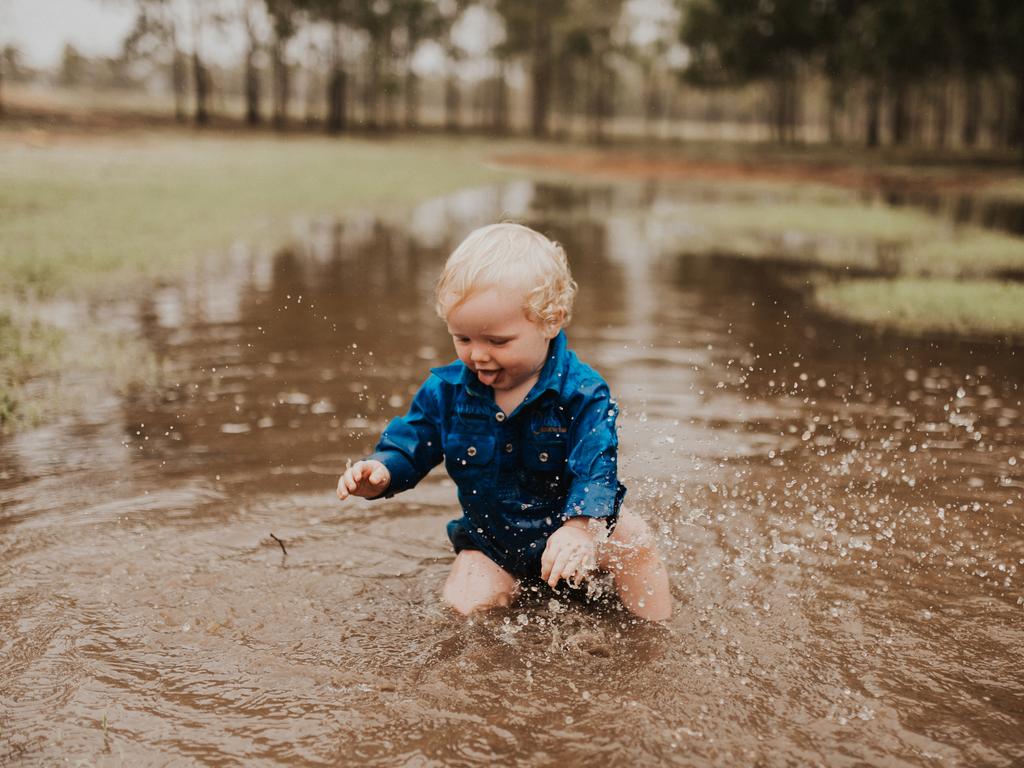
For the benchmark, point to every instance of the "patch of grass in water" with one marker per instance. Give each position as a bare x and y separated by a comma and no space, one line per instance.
966,252
27,348
920,306
933,277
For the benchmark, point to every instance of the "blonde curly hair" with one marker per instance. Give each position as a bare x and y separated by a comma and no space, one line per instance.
508,256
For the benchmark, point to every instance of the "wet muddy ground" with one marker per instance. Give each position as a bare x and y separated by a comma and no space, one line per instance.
841,514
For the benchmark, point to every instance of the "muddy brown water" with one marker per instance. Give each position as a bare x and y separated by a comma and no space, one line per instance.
841,515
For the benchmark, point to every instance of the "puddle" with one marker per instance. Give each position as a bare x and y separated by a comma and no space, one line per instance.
841,517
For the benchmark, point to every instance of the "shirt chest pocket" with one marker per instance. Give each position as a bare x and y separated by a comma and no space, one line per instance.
466,455
544,467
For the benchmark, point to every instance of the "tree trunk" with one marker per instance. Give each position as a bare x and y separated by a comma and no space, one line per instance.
500,124
541,74
874,116
942,116
281,84
371,88
1001,119
201,84
565,96
794,117
777,109
412,97
411,88
336,86
650,97
179,85
1017,132
309,97
451,103
252,88
900,125
834,106
972,112
601,99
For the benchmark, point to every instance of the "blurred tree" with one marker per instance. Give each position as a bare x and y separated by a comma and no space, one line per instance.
589,34
377,20
738,41
284,24
336,14
72,69
155,37
201,84
449,12
1009,44
650,31
535,30
418,19
11,69
253,16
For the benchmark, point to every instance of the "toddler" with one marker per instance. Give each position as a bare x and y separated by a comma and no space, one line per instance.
526,431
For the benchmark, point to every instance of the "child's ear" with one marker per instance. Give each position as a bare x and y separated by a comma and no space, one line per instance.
554,325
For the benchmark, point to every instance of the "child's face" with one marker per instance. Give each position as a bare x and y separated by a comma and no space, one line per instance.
497,341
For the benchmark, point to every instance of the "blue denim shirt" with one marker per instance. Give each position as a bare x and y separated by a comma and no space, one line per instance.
521,475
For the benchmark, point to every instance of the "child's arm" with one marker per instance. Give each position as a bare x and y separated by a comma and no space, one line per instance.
409,448
594,490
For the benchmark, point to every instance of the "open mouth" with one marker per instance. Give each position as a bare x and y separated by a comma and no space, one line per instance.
488,377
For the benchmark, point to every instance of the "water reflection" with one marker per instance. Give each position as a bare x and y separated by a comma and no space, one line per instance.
841,515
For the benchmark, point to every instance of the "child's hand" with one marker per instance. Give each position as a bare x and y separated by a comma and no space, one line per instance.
569,554
364,478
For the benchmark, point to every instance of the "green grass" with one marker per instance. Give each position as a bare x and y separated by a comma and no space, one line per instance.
86,216
105,212
934,277
849,233
929,307
28,348
94,217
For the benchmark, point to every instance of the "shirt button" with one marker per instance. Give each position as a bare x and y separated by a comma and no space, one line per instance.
499,416
509,448
543,456
471,451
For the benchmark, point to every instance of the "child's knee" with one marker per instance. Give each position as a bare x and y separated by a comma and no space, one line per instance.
477,584
467,604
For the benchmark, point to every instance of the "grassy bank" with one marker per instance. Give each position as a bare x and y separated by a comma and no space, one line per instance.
115,210
849,233
90,217
927,307
90,214
821,207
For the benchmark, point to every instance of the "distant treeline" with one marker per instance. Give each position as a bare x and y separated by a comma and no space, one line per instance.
936,73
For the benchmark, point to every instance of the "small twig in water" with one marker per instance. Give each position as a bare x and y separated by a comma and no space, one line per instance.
279,542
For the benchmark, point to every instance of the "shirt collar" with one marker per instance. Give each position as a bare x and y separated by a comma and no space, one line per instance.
552,375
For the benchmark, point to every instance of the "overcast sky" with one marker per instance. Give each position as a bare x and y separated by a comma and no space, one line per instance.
39,28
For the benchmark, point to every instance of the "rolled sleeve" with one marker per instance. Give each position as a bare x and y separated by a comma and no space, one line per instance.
411,444
594,490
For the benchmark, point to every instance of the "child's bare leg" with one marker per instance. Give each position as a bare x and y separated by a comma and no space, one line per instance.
477,583
632,558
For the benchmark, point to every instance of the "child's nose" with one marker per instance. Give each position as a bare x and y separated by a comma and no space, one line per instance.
478,354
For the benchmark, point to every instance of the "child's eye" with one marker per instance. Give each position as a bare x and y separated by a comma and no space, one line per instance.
461,339
500,342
